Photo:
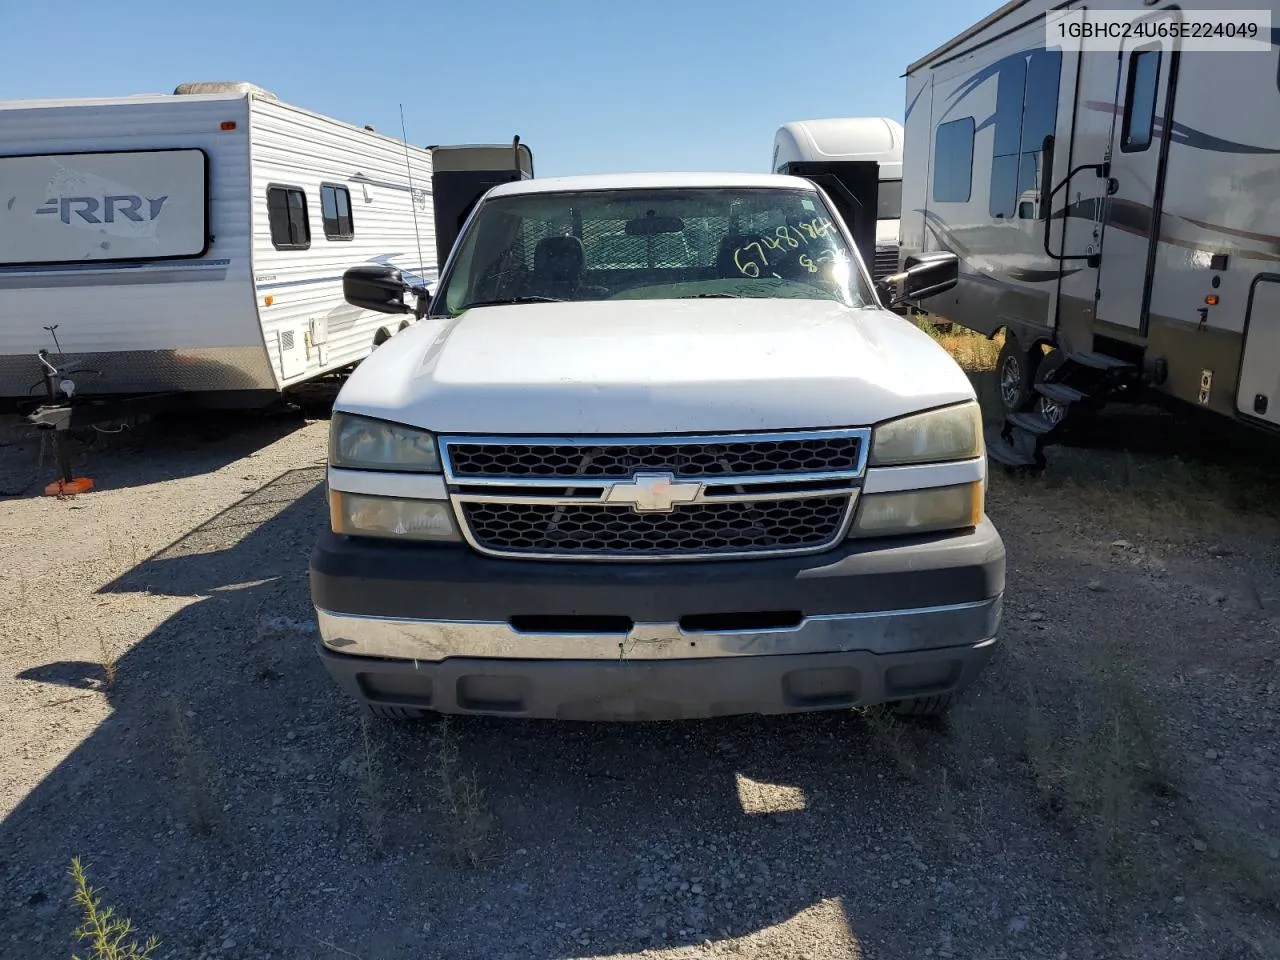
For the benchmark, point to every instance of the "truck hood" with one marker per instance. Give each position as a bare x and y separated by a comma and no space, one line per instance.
654,366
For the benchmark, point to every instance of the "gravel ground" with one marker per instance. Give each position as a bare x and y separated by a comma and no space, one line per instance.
1108,789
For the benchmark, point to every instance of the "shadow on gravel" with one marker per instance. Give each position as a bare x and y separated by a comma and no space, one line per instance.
232,804
163,448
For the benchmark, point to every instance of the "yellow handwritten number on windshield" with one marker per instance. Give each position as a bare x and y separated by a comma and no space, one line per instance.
748,269
784,237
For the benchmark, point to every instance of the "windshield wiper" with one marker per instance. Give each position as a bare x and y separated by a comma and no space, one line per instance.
506,300
715,296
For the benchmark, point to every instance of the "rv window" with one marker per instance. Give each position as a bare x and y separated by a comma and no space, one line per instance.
1026,113
1004,186
1029,183
1039,121
1010,93
1140,99
953,161
335,211
1040,115
287,215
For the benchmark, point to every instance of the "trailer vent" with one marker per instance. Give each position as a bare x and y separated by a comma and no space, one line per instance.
223,86
286,340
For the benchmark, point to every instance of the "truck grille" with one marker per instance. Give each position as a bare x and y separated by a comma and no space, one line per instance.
736,458
599,531
886,262
655,498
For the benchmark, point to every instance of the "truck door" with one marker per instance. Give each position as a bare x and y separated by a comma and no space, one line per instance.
1142,113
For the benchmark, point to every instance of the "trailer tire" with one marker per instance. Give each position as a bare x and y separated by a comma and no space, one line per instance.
1016,374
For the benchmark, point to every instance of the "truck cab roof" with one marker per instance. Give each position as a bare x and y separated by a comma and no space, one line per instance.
648,181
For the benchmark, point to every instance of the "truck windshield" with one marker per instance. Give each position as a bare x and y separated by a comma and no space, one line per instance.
652,244
889,200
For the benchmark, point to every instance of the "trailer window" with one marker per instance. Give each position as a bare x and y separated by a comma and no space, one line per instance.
1039,123
287,215
1140,100
953,161
335,211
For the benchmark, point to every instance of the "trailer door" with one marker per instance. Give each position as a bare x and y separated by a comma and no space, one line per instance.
1259,393
1139,149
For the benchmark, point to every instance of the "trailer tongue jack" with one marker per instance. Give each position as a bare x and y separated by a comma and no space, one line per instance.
55,415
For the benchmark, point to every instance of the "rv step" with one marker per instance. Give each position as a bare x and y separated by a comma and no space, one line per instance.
1098,361
1060,392
1006,454
1033,423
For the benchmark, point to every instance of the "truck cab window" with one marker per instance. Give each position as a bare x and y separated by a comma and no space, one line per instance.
287,216
1140,99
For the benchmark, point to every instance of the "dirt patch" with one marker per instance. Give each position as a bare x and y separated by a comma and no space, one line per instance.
1107,790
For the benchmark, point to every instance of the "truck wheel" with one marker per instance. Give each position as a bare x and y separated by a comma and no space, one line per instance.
1015,374
925,706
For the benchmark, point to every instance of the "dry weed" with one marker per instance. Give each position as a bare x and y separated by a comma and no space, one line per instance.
891,736
974,352
109,937
467,820
107,660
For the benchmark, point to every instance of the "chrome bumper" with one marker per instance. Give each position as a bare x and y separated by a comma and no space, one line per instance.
883,632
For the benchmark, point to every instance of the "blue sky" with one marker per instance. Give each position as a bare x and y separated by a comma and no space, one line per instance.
593,86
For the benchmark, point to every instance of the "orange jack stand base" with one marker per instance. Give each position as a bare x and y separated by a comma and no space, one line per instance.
67,488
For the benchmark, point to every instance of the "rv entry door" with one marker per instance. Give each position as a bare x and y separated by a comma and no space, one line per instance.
1139,150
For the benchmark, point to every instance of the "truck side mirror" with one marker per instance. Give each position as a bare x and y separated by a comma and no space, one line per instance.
923,275
378,287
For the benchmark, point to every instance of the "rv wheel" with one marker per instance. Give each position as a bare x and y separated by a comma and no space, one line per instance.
1015,374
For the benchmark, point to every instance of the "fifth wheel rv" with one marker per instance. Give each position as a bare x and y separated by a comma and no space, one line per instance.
1113,218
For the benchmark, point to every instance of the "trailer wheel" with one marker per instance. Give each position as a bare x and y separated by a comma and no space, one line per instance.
1015,374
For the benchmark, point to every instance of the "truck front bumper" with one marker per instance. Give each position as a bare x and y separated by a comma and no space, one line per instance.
448,630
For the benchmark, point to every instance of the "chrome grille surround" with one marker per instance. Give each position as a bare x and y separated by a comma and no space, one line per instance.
585,498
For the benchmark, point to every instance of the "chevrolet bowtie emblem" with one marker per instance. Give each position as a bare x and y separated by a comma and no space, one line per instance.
653,493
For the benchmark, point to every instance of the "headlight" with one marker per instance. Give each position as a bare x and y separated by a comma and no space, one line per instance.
359,515
363,444
919,511
952,433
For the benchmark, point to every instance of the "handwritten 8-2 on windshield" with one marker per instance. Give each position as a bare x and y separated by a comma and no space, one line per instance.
784,240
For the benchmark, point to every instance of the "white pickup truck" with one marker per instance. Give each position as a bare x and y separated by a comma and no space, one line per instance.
705,474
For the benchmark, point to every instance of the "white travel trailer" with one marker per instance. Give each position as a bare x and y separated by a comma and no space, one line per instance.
1121,208
191,246
853,139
